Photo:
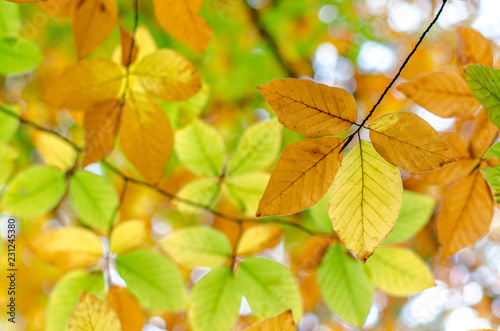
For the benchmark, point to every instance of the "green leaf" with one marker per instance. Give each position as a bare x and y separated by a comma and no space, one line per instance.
7,157
35,191
398,271
198,246
493,151
344,286
204,191
269,287
259,146
183,113
66,293
10,19
153,279
94,198
484,82
18,55
246,190
416,211
201,149
8,123
215,301
319,214
492,176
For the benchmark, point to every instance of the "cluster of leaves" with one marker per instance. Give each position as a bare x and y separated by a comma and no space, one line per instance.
143,105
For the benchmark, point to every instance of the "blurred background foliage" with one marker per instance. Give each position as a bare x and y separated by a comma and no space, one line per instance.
354,44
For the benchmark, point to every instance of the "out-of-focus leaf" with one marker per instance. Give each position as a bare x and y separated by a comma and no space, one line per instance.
365,199
415,212
281,322
269,287
215,301
344,286
10,19
309,108
257,238
204,191
473,47
129,47
198,246
93,21
180,19
493,151
153,280
146,136
128,235
7,157
8,122
65,295
127,309
304,172
91,313
398,271
18,55
68,248
56,151
167,75
201,149
94,198
407,141
35,191
259,146
246,190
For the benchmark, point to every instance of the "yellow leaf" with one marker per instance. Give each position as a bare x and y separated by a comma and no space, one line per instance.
180,19
257,238
408,142
466,214
68,248
128,235
365,199
167,75
302,176
484,134
473,48
26,1
146,136
398,271
91,313
281,322
101,124
56,151
129,47
84,84
92,23
127,309
311,109
443,93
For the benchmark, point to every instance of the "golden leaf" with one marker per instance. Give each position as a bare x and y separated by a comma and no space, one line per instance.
443,93
302,176
408,142
56,151
473,48
365,199
127,309
281,322
466,214
311,109
257,238
84,84
128,235
146,136
129,47
180,19
68,248
93,21
483,134
167,75
101,124
91,313
27,1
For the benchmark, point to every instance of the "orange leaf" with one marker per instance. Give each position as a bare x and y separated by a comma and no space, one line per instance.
483,134
473,48
443,93
127,309
302,176
281,322
466,214
129,47
311,109
180,19
146,136
408,142
92,23
101,126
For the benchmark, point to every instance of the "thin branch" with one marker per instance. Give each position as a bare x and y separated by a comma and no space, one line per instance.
420,40
172,196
